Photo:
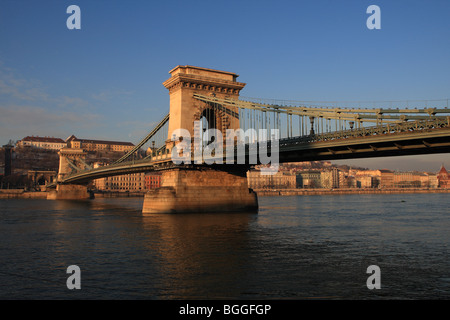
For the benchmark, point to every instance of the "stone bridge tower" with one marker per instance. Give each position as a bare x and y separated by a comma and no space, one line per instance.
201,188
70,160
185,81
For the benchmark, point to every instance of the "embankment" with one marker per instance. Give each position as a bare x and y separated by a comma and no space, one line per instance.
310,192
21,194
118,194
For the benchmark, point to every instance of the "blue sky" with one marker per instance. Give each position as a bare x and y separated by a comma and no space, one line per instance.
105,80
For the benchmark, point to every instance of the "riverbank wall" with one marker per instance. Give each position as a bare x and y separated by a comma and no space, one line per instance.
311,192
118,194
21,194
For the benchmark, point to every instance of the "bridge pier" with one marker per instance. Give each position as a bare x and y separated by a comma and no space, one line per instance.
201,190
69,192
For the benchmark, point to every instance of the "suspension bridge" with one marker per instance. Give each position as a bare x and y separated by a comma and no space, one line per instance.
203,99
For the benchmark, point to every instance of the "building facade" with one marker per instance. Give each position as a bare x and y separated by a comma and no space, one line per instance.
443,178
280,180
330,179
386,179
98,145
134,182
48,143
309,179
124,183
433,181
152,180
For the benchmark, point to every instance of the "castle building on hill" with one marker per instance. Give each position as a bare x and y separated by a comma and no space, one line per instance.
98,145
49,143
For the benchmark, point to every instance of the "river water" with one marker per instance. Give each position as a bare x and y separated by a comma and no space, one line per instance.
296,247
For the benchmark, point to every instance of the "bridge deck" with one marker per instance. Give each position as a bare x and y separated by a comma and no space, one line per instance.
362,143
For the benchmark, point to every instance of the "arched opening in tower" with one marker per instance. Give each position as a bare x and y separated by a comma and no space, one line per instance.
208,121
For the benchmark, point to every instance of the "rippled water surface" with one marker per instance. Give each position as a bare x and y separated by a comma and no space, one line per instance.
297,247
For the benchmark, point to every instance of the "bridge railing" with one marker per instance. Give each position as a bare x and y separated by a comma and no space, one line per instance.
294,118
356,104
252,148
380,129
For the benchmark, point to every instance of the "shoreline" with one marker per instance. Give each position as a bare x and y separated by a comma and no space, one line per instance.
310,192
21,194
119,194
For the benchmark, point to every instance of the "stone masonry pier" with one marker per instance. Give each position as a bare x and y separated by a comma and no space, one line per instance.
201,190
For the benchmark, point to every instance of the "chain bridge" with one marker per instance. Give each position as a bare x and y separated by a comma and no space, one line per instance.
206,105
